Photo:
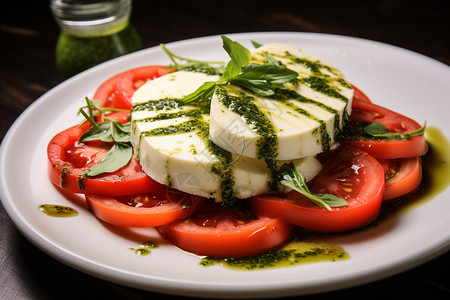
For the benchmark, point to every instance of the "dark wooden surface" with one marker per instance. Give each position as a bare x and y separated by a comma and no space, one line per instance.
27,70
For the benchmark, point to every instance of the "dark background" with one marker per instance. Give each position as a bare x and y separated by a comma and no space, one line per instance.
27,70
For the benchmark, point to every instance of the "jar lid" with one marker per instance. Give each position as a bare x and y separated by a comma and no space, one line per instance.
83,14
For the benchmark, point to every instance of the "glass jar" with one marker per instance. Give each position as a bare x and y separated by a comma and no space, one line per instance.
92,32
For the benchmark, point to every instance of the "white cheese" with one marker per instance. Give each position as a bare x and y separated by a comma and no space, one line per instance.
304,122
184,159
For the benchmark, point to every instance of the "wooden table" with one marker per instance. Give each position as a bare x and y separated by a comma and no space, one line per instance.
27,70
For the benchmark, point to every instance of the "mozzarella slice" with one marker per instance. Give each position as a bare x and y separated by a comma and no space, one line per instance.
299,122
173,145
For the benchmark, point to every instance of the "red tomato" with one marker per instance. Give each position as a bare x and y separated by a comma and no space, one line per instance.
117,91
129,82
69,158
359,95
157,208
106,92
350,174
394,122
226,232
402,176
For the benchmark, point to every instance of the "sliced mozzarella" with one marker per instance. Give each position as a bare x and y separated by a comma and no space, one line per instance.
186,159
305,122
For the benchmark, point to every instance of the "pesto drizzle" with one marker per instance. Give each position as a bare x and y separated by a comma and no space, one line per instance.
267,144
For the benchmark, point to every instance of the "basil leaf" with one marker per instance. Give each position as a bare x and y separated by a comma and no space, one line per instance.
117,157
121,133
239,55
293,179
272,60
102,132
202,94
378,130
263,79
256,44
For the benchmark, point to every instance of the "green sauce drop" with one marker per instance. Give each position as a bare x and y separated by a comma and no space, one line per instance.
58,211
144,248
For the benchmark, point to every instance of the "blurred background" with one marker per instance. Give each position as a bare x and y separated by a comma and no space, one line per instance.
28,34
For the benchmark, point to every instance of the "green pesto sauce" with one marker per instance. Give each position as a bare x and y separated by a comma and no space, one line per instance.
297,252
314,66
163,104
322,85
58,211
202,68
77,53
144,248
284,96
267,143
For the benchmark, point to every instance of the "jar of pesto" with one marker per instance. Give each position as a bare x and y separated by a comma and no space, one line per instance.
92,32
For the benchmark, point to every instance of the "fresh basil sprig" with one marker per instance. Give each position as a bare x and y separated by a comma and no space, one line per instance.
378,130
262,79
293,179
111,132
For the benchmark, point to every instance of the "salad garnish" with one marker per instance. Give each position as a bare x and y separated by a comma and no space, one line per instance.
110,131
378,130
293,179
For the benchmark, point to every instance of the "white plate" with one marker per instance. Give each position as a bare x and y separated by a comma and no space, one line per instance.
399,79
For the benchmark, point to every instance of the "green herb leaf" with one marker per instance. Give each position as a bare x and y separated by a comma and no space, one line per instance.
203,94
378,130
101,132
293,179
256,44
240,56
121,133
263,79
117,157
272,60
111,131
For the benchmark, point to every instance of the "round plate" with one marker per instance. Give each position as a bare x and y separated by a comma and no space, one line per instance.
401,80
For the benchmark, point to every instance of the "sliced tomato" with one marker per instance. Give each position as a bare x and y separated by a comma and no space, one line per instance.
156,208
359,95
403,176
226,232
106,92
129,82
69,158
348,173
387,148
117,90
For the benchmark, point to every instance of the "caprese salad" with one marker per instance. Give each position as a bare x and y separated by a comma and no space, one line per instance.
226,159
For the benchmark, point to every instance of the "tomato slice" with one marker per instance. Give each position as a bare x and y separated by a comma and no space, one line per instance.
226,232
348,173
69,158
106,92
403,176
156,208
359,95
128,82
117,90
383,148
